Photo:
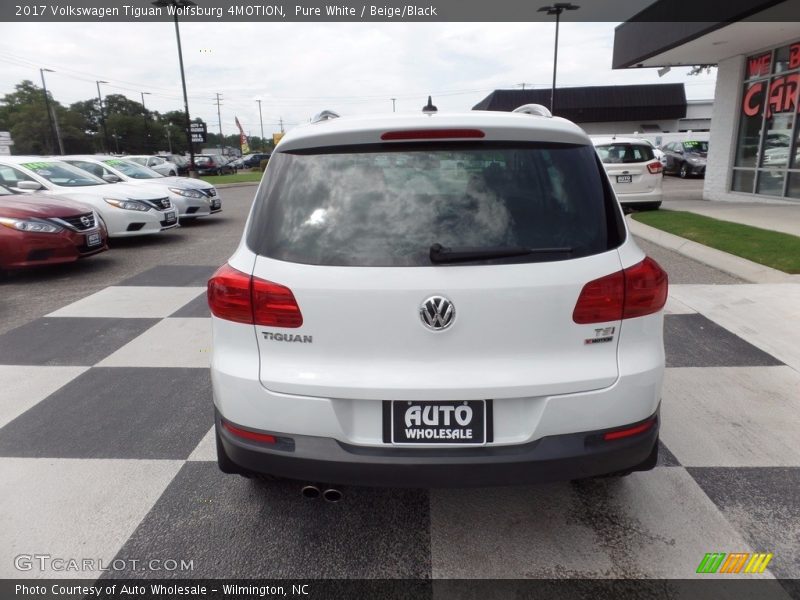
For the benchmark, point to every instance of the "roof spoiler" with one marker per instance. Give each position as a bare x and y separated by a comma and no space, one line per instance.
533,109
325,115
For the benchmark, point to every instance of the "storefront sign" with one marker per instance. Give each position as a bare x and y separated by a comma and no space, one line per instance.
781,94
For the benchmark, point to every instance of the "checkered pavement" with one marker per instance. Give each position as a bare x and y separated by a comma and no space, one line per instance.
107,450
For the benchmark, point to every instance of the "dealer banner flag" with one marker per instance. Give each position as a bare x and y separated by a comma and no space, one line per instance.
245,144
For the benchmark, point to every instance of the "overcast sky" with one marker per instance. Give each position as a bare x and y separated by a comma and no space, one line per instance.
297,69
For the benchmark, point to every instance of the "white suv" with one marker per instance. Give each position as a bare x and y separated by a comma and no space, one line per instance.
636,173
437,300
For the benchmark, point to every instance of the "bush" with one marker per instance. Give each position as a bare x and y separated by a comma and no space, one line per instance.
263,164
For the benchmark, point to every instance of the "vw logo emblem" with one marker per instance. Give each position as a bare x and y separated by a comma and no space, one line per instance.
86,221
437,313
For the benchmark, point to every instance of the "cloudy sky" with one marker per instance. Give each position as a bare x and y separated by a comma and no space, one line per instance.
297,69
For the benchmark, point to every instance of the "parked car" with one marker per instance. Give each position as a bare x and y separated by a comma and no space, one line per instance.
179,161
238,163
437,300
192,197
633,170
254,160
157,163
685,159
123,209
39,230
212,164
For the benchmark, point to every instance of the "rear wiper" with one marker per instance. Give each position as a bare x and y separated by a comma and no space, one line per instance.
440,254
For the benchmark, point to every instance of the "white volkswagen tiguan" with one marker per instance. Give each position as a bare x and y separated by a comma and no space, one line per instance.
437,300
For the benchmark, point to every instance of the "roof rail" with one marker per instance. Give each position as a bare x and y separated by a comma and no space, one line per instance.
533,109
325,115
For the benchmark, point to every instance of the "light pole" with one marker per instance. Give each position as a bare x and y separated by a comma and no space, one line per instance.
556,9
102,115
261,120
53,133
393,104
182,4
146,128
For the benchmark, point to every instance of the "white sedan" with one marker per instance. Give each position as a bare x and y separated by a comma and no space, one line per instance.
127,210
157,163
192,197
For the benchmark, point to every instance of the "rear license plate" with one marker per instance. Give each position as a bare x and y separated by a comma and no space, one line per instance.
624,178
438,422
171,216
93,239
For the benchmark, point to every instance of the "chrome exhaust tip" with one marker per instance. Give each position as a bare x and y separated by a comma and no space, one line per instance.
332,495
310,492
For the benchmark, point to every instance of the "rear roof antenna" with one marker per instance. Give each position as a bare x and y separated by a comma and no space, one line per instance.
429,108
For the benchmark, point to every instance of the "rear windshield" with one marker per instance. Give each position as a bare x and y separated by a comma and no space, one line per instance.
625,153
386,205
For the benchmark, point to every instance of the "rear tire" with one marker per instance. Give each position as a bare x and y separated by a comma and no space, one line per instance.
683,173
648,206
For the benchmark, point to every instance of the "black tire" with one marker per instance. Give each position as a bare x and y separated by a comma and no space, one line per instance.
172,173
683,173
648,206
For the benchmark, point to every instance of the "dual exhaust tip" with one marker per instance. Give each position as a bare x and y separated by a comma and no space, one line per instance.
312,492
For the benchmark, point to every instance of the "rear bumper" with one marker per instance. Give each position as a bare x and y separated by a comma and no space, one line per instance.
552,458
655,195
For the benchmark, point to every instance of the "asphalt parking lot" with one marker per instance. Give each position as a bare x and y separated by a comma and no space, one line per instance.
106,448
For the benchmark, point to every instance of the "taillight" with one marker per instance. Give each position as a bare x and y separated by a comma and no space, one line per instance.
655,167
229,295
645,289
238,297
275,305
635,292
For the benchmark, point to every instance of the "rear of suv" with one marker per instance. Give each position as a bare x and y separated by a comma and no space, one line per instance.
437,300
635,172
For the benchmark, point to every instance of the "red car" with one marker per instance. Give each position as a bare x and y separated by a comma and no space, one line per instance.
39,230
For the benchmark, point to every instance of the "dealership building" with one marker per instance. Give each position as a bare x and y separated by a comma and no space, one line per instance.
754,148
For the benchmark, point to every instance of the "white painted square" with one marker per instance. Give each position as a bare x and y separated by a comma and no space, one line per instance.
71,508
732,416
206,450
131,302
24,387
766,315
169,343
657,524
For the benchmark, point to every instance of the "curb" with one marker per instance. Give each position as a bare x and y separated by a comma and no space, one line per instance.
728,263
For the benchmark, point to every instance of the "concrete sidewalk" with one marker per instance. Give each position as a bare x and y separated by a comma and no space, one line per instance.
775,217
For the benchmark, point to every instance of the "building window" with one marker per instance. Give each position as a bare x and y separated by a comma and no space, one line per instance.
767,157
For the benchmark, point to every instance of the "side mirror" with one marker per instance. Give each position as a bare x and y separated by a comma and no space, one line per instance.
29,186
111,178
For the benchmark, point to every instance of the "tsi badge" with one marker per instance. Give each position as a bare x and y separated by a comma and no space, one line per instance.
601,336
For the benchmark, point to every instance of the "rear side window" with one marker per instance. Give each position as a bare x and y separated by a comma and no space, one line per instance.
625,153
386,205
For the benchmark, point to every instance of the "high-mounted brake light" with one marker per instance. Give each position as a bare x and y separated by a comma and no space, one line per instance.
655,167
238,297
433,134
635,292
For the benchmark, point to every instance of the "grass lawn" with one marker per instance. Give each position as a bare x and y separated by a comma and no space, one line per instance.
771,248
251,176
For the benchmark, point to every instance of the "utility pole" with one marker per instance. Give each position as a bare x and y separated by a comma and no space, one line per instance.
261,120
169,139
53,134
393,104
146,128
523,84
281,119
102,116
219,119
